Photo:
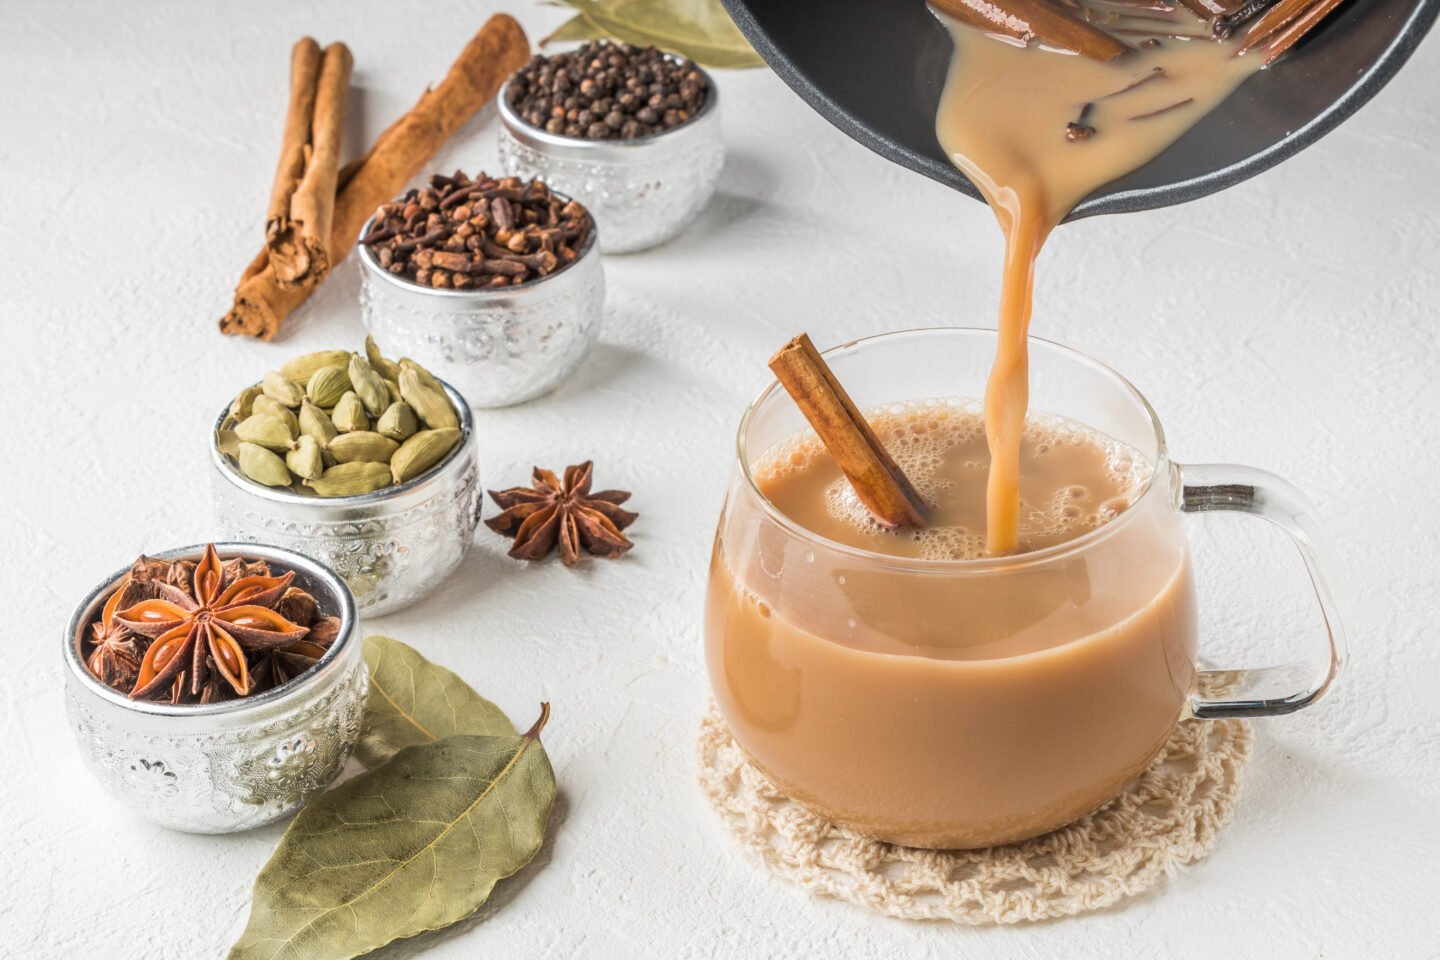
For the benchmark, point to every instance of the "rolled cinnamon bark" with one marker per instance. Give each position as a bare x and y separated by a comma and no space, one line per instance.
1282,26
877,479
304,72
298,243
500,48
1037,20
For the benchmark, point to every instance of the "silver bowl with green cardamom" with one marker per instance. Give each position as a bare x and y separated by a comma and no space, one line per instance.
391,547
233,765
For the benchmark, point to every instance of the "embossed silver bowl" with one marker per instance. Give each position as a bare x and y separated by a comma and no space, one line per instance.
641,192
222,767
391,547
499,347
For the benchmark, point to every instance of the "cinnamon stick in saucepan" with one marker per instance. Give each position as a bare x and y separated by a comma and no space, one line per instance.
1283,25
1037,20
500,48
1210,9
298,238
878,481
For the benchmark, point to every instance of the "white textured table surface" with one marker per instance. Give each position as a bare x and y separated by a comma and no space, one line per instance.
1289,323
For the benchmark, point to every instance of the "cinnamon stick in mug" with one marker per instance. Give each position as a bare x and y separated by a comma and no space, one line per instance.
878,481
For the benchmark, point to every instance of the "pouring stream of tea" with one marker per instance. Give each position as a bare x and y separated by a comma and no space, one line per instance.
1036,131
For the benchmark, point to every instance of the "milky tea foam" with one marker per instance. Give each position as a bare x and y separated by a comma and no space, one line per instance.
1073,480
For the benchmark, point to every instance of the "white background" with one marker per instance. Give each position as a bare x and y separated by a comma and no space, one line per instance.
1289,323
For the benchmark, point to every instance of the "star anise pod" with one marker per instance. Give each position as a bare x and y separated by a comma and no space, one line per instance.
208,630
298,607
181,574
280,665
553,511
147,569
116,653
237,568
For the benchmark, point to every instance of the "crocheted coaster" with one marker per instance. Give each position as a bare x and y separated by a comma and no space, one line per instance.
1169,818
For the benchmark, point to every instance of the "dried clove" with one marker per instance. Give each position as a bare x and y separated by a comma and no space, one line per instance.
460,234
1079,129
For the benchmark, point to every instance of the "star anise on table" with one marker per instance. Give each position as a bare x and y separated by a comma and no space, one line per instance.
205,633
554,511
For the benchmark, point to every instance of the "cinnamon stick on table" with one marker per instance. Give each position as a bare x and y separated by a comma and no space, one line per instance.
262,302
1037,20
304,72
878,481
298,234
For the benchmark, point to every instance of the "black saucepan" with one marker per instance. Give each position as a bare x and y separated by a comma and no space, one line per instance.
875,69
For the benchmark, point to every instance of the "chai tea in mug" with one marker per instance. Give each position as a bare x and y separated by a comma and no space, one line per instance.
910,684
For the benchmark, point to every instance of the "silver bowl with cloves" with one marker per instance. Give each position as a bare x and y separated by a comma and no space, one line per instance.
215,689
383,490
495,284
631,132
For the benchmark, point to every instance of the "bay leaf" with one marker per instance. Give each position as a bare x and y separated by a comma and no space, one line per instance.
413,846
413,701
698,29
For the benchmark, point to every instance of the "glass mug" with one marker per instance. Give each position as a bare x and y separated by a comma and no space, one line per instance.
859,682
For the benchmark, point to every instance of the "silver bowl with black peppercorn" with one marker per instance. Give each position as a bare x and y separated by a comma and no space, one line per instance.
498,345
235,764
643,182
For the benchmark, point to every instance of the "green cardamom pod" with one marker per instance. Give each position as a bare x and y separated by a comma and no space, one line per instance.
327,385
351,479
397,422
266,431
228,442
306,461
421,452
244,402
369,386
349,414
426,397
315,422
282,388
301,369
362,445
388,369
263,466
393,388
279,411
421,371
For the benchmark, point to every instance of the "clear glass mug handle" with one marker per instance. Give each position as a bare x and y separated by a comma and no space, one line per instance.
1216,486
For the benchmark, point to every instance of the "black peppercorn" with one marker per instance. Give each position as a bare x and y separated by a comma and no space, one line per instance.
607,91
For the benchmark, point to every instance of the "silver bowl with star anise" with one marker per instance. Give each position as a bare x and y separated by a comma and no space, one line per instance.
391,547
204,758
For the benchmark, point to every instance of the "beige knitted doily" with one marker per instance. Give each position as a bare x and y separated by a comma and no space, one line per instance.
1167,819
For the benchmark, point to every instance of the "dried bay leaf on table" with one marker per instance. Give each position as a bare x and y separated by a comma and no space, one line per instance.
698,29
413,701
413,846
